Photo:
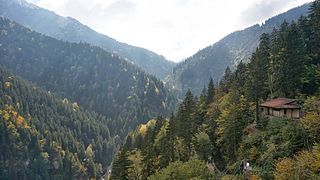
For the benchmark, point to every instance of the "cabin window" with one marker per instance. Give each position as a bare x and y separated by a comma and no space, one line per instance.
285,111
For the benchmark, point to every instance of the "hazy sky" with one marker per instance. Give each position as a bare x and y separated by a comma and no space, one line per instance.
175,29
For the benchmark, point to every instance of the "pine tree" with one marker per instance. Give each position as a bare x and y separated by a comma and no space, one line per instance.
296,56
210,91
187,117
311,31
280,60
226,80
314,16
121,166
259,73
148,161
170,136
233,122
203,104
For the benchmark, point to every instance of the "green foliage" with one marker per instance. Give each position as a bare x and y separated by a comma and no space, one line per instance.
135,172
93,78
233,119
118,95
227,129
209,135
42,137
71,30
121,166
311,120
203,145
210,92
281,138
192,169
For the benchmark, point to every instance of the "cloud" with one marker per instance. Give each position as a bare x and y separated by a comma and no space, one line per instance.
174,28
120,10
259,11
262,9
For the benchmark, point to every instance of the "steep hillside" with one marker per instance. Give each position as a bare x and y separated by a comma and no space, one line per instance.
224,132
69,29
43,137
212,61
95,79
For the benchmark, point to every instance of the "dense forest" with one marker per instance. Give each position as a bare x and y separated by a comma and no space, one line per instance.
117,94
85,74
43,137
69,29
210,136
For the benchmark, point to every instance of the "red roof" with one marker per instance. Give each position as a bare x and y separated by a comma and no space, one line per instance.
283,103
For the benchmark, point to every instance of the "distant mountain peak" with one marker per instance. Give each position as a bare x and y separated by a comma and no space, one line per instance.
23,3
69,29
195,71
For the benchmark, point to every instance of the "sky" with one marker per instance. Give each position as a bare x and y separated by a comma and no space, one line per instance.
175,29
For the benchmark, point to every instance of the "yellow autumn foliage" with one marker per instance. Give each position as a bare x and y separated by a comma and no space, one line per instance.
316,161
284,168
45,155
304,165
7,84
13,130
311,122
9,113
5,115
14,113
20,121
42,142
220,121
143,129
254,177
253,152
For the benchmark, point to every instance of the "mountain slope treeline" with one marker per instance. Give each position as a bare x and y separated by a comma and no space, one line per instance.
95,79
43,137
194,72
223,128
69,29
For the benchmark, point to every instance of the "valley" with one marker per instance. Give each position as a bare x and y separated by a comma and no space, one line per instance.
77,104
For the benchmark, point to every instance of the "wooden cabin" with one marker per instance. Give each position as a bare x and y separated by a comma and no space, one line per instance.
281,107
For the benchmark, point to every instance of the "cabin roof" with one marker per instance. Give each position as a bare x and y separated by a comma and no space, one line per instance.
281,103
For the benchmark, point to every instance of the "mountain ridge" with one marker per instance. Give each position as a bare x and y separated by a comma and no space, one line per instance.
70,29
97,80
211,61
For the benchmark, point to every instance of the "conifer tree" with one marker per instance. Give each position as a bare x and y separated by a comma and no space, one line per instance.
259,73
203,104
170,135
314,22
149,164
210,91
121,166
187,117
226,80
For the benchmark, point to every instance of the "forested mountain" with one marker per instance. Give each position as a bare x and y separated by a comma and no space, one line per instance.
43,137
69,29
88,75
211,61
216,135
